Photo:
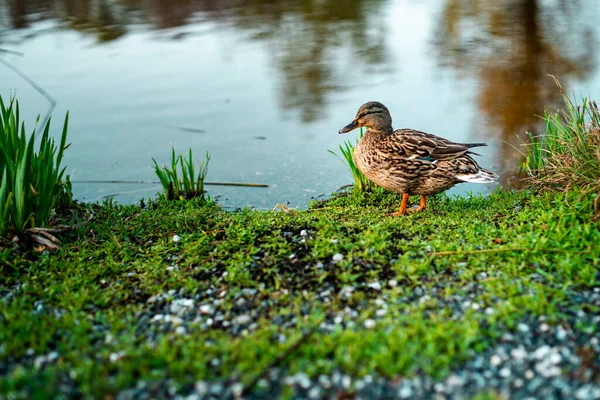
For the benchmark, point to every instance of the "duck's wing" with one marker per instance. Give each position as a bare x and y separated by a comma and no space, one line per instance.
414,144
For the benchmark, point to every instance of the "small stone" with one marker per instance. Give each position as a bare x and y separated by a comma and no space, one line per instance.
518,383
370,324
561,334
157,317
495,360
320,265
381,312
303,380
529,374
555,358
180,330
455,381
172,268
152,299
518,353
375,285
587,392
505,372
337,257
303,233
237,389
206,309
114,357
242,319
346,382
314,393
523,328
176,238
392,283
324,381
439,387
406,392
541,352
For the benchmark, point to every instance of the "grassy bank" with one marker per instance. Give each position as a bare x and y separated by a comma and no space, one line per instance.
232,296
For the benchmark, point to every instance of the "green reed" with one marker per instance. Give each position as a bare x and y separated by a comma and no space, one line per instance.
567,153
32,181
361,182
191,182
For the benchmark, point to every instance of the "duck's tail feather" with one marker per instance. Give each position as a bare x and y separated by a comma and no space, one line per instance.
469,145
482,176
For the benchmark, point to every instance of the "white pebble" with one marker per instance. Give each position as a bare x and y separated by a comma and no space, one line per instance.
541,352
237,389
114,357
176,238
180,330
206,309
242,319
392,283
518,383
337,257
369,324
505,372
495,360
529,374
519,353
375,285
201,388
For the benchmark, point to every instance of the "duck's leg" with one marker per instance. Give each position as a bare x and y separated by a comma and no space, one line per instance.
403,206
422,204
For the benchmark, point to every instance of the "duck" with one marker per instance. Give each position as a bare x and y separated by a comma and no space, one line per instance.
411,162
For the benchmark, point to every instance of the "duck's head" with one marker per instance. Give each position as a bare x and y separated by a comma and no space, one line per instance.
373,115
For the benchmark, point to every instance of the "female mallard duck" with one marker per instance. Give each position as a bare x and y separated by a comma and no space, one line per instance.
411,162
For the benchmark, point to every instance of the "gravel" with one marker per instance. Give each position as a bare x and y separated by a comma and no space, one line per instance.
537,358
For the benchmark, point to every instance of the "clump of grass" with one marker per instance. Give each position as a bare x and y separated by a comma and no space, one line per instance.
361,182
32,182
567,153
190,184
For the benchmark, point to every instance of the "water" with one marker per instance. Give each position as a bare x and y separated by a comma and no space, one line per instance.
265,85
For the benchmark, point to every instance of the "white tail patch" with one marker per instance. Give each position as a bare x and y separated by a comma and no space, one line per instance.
482,176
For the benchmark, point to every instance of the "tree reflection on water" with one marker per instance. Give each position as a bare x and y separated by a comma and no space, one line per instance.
512,46
304,34
509,46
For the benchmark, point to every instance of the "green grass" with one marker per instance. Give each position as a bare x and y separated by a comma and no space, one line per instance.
361,182
94,289
32,181
567,153
187,185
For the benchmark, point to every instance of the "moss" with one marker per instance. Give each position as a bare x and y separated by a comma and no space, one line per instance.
523,251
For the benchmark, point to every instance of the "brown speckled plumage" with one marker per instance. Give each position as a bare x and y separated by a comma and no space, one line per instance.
408,161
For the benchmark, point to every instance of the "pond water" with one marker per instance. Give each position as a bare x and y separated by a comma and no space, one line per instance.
265,85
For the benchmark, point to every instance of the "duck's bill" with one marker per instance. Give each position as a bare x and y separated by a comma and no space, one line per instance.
352,125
